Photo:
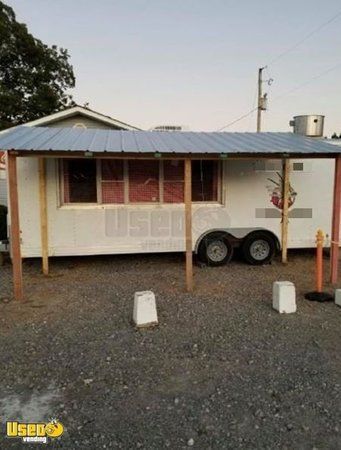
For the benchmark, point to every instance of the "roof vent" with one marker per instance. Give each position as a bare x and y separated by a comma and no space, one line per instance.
310,125
168,127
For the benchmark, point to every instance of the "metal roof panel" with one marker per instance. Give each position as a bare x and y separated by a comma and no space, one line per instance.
182,142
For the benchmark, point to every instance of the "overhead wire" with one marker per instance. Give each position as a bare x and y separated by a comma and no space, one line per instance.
301,41
284,94
281,55
237,120
301,85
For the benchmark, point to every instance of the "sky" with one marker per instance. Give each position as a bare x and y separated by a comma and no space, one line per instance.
195,62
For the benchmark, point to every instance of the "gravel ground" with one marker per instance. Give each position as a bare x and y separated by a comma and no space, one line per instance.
222,370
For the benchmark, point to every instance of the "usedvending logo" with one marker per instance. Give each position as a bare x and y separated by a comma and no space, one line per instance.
31,432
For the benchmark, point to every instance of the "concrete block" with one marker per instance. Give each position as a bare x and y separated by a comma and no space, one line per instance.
338,297
284,297
145,313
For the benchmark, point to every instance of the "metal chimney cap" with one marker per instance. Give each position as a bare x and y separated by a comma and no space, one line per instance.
308,125
309,115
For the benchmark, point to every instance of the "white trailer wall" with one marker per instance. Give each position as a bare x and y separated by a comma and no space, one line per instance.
249,188
246,195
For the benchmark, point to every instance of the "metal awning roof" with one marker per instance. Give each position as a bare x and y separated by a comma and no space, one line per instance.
44,139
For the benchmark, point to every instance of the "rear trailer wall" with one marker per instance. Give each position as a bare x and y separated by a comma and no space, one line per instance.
254,197
248,198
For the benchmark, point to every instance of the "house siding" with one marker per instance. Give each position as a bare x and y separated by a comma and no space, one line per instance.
70,122
3,192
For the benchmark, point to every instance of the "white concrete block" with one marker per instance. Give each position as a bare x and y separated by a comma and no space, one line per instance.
338,297
145,313
284,297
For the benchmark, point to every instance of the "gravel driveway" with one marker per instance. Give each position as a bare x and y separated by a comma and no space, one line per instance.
222,370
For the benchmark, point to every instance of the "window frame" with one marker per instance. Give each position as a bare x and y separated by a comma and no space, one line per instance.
62,186
220,175
127,202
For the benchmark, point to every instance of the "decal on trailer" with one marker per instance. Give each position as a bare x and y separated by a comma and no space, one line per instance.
276,198
276,192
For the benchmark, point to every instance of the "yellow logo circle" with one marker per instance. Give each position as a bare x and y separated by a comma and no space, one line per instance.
54,429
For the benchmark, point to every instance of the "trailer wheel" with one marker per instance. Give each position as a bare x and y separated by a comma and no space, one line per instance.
215,249
259,248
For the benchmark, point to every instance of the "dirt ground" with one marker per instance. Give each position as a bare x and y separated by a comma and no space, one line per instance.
222,370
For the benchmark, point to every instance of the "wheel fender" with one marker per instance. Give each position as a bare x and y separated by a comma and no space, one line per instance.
215,230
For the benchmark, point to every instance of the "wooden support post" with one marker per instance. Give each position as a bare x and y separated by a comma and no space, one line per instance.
15,226
188,224
285,199
335,235
43,216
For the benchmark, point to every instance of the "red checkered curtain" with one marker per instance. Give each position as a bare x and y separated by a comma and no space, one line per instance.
144,181
173,184
112,180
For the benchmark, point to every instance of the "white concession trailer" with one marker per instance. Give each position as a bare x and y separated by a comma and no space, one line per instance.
247,203
93,192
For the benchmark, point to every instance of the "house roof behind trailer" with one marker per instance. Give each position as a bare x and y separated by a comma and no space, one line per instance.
70,117
44,139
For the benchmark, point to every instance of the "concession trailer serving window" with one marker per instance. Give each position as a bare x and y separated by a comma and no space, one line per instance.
118,181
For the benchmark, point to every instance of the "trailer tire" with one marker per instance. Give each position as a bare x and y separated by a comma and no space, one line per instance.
259,248
215,249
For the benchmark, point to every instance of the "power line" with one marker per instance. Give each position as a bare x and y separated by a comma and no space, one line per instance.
305,83
237,120
254,108
295,88
301,41
284,53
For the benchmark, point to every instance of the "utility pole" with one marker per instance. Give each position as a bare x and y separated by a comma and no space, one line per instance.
260,100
